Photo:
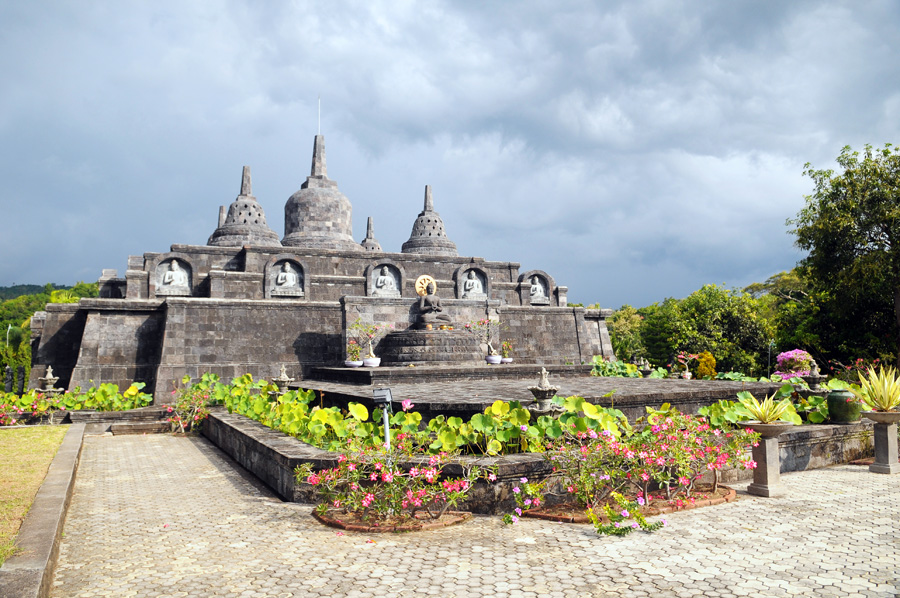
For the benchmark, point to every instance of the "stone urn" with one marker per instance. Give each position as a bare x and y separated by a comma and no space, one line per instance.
882,417
767,475
767,430
843,408
886,453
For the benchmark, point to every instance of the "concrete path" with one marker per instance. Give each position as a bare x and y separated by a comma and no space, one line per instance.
164,516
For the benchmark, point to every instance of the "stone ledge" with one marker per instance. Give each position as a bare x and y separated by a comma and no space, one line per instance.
272,457
30,573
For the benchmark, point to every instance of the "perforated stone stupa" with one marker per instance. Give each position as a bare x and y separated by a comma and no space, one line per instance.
428,236
245,222
245,303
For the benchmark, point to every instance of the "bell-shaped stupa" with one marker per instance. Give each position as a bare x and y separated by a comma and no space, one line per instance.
245,222
428,235
319,216
370,243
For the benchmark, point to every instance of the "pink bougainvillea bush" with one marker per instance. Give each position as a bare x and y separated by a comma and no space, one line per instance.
793,363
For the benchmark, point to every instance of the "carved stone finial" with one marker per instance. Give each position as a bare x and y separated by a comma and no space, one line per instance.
318,158
429,202
370,229
246,187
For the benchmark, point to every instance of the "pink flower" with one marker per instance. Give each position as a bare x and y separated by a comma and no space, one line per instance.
338,533
492,477
407,405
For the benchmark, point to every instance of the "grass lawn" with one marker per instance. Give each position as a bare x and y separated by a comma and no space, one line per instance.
25,456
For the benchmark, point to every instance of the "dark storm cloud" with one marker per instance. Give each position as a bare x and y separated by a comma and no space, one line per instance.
634,150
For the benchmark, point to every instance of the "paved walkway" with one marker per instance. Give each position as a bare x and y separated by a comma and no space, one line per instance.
164,516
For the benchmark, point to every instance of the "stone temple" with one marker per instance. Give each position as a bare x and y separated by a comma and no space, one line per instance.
247,302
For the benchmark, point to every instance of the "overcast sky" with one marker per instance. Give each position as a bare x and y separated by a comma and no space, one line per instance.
633,150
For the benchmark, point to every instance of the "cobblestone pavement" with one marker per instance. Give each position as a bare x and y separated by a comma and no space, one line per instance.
165,516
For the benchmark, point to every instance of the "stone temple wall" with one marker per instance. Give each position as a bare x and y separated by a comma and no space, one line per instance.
120,343
260,304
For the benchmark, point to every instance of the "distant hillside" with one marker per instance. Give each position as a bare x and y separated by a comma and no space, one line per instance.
25,289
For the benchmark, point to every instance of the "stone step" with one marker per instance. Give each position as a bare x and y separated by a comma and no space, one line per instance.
144,414
140,428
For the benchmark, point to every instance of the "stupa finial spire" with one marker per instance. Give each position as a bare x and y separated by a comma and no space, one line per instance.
246,187
370,229
429,202
318,159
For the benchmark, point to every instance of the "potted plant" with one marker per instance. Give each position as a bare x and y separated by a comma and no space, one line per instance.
505,350
880,394
685,359
368,335
771,417
485,329
353,351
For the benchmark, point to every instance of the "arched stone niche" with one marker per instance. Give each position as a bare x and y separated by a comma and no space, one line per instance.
536,287
173,275
384,279
472,283
286,277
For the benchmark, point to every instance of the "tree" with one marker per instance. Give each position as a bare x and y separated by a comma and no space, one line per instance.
625,333
851,227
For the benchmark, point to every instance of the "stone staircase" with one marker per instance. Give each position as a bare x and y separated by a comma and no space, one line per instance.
146,420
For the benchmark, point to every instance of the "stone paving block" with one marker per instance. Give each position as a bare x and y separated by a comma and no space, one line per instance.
164,516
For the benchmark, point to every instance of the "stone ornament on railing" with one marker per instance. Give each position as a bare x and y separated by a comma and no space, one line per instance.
543,395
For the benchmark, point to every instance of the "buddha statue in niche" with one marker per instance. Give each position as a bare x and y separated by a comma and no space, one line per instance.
472,287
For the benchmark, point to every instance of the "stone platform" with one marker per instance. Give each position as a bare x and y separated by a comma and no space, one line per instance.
466,391
430,347
418,373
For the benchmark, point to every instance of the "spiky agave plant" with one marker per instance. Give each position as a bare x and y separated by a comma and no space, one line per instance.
770,410
879,391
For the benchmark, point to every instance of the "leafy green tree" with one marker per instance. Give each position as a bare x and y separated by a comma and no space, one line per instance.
851,227
625,333
659,331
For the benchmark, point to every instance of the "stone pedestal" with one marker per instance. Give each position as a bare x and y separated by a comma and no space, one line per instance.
430,347
885,449
767,475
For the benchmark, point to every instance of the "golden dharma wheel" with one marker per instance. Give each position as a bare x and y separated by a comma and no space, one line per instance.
422,283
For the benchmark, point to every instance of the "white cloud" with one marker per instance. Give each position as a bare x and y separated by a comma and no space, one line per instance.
634,150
